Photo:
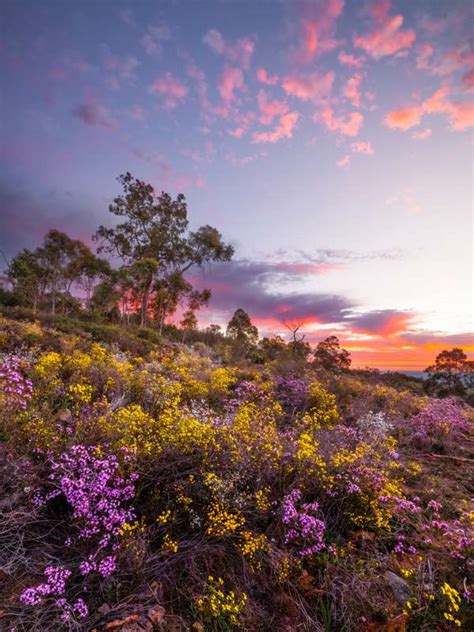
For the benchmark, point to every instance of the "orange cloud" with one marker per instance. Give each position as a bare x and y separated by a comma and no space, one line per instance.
396,355
387,37
284,129
460,114
404,118
348,126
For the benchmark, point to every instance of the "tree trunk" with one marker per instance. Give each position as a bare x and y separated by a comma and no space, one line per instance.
145,300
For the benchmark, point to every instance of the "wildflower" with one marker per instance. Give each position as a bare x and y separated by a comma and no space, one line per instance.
304,527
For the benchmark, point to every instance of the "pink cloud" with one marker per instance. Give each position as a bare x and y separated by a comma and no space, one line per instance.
343,162
351,89
242,122
444,62
404,200
200,155
240,52
433,26
317,29
468,79
120,69
264,77
424,53
313,87
171,89
167,174
422,134
284,129
348,126
232,79
241,161
94,114
459,58
199,78
459,114
362,147
387,36
270,109
152,40
347,59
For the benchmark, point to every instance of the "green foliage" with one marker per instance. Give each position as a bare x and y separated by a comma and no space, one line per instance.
156,246
451,373
241,330
329,355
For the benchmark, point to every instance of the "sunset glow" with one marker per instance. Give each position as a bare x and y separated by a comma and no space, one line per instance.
329,141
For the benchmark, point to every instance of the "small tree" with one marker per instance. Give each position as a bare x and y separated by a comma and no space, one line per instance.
329,355
188,322
90,271
451,372
27,277
297,345
241,330
58,257
272,348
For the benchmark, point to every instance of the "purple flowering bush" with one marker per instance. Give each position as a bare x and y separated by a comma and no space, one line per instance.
16,389
292,393
440,424
303,529
98,495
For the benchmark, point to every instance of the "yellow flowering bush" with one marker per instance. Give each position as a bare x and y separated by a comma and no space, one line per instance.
221,606
452,603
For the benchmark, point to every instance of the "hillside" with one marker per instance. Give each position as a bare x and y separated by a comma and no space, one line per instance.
165,487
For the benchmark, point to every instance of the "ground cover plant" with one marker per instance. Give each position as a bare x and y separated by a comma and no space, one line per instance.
173,487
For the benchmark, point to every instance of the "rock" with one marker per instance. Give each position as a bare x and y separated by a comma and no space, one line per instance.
401,589
156,615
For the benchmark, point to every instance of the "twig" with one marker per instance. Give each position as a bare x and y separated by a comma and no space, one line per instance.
448,456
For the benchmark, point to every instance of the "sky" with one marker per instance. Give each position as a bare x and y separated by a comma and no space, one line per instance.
331,142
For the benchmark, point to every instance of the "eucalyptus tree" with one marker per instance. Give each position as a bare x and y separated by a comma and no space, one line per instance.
154,240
